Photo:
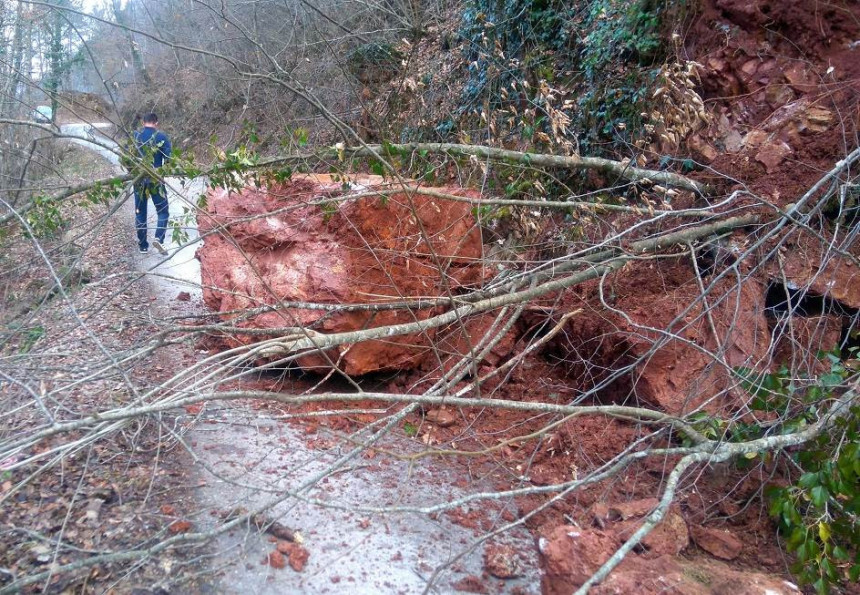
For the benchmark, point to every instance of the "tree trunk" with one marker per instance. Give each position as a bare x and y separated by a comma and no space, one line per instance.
12,78
136,57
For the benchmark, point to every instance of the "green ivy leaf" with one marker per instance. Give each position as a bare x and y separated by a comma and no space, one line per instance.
821,587
831,380
819,495
808,480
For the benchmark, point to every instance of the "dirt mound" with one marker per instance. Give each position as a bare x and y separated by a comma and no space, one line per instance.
783,78
318,240
653,342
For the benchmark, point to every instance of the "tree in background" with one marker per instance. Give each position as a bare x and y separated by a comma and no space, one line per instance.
60,30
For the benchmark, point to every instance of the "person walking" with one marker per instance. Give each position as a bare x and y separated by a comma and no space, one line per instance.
149,140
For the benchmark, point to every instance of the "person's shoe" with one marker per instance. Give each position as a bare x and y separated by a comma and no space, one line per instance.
161,249
143,250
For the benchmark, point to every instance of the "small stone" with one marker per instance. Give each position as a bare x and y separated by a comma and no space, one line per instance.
441,417
501,561
634,509
778,95
720,544
298,555
772,155
183,296
276,560
749,67
755,138
717,64
733,141
798,77
816,119
702,148
179,527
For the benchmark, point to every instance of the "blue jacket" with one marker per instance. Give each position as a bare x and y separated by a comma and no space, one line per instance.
157,140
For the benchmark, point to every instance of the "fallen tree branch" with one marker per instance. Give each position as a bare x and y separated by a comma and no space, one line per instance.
572,162
126,413
621,169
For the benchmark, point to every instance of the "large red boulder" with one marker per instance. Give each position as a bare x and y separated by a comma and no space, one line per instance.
316,240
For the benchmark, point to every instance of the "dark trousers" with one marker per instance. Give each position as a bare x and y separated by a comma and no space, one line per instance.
143,191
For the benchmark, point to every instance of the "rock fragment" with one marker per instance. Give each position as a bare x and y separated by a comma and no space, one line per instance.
502,561
719,543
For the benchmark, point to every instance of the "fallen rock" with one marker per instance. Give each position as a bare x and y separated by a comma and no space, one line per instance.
797,118
571,555
773,154
799,339
502,561
441,417
816,119
467,339
717,542
803,265
298,556
183,296
670,537
307,241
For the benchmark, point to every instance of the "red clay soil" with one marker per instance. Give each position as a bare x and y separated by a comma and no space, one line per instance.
782,78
